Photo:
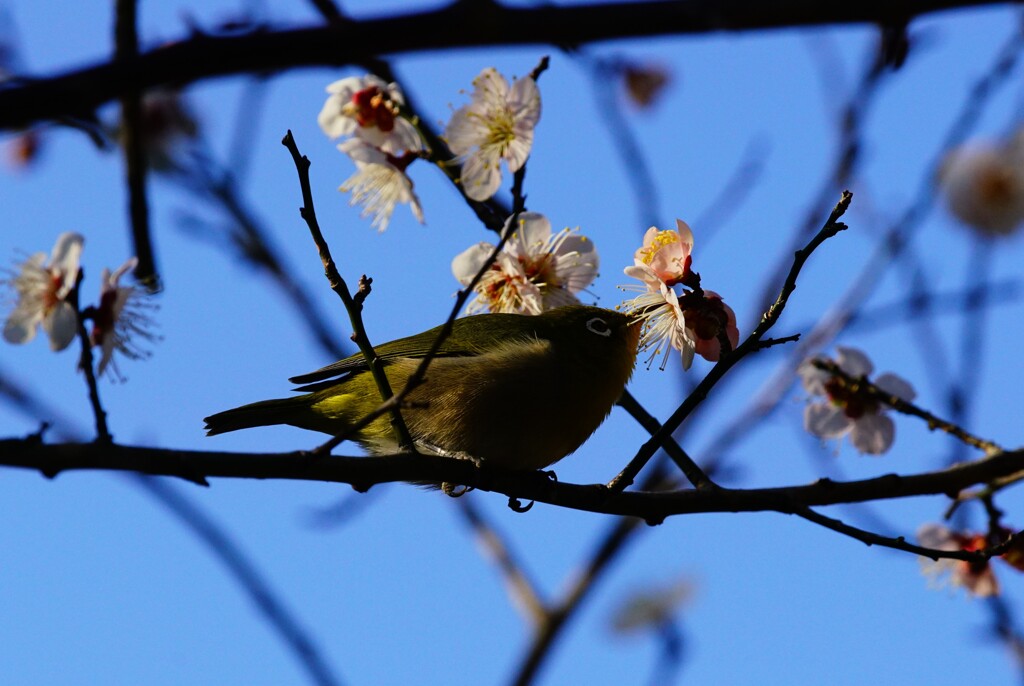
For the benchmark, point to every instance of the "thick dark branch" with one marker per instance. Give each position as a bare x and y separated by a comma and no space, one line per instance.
364,472
80,92
126,50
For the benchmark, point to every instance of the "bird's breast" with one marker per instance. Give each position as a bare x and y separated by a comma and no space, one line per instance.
521,406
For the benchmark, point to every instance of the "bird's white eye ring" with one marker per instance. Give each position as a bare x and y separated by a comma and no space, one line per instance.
599,326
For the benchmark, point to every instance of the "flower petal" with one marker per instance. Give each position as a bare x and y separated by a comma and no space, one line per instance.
530,234
518,150
61,325
465,130
481,176
467,263
854,362
20,326
685,235
812,378
524,100
490,88
897,386
873,434
825,420
937,537
332,122
577,261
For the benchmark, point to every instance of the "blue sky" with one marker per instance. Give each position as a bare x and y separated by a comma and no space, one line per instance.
101,585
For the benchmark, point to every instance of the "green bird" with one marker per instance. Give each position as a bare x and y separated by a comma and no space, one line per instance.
513,391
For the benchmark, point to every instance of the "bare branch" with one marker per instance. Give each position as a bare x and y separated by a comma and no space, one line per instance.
900,405
352,306
80,92
364,472
126,49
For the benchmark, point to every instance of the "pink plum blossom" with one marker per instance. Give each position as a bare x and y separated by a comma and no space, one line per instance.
667,253
691,321
706,318
496,125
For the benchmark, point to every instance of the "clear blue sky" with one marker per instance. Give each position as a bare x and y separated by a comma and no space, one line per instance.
101,585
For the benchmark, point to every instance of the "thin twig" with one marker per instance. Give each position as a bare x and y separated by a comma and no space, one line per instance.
899,543
863,385
694,474
86,365
339,286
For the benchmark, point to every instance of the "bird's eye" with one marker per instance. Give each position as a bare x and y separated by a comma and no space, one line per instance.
599,326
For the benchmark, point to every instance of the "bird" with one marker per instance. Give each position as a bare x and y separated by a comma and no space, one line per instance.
515,391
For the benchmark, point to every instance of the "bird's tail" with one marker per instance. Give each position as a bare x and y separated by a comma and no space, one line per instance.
263,413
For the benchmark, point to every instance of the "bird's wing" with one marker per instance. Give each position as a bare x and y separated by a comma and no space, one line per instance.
469,336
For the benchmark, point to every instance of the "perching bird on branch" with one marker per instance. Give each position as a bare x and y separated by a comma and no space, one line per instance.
513,391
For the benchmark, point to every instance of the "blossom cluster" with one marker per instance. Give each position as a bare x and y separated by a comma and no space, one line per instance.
691,320
380,141
47,299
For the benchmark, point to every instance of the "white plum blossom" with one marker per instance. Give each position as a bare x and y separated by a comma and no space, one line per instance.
535,270
42,295
983,184
976,577
844,410
368,108
380,182
496,125
117,319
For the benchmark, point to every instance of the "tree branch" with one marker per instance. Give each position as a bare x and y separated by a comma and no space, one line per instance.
78,93
364,472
